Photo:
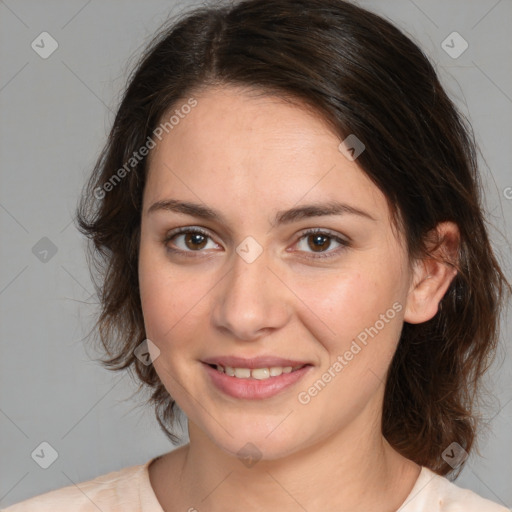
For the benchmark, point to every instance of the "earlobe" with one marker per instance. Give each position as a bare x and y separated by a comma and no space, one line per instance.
433,275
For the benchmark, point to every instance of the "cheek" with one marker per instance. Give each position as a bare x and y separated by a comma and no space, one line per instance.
364,316
171,301
350,300
362,305
169,305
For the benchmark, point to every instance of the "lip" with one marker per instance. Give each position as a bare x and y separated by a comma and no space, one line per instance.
254,362
254,389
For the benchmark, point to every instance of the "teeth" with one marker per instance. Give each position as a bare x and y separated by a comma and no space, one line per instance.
242,373
275,371
256,373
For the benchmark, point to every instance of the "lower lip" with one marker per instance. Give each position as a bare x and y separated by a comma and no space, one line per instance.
254,388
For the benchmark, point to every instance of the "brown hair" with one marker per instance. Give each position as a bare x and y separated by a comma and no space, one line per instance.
364,77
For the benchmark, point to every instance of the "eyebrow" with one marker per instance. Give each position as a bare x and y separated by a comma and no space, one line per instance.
281,217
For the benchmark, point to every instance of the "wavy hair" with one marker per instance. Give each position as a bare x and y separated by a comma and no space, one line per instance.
363,76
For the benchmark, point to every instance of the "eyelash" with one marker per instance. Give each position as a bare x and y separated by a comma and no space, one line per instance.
344,244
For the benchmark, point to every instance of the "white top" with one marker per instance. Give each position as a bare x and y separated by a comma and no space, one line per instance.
129,490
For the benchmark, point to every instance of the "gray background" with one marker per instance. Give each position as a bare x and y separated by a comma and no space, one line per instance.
55,114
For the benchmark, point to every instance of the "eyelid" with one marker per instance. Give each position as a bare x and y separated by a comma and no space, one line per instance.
326,231
182,231
343,240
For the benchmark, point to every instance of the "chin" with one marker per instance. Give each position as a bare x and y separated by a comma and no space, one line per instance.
251,444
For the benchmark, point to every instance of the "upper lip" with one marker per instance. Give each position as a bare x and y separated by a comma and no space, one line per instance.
254,362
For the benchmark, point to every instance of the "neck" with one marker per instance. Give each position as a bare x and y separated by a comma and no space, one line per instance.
352,470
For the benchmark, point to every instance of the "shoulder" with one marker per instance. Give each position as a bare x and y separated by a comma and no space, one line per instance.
435,493
124,489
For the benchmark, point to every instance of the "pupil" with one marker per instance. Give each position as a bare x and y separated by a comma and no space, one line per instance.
195,239
317,244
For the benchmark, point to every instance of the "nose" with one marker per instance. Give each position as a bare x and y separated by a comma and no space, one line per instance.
251,301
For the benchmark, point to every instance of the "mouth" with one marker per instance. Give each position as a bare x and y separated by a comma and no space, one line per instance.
256,383
256,373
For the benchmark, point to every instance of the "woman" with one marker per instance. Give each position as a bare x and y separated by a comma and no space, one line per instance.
287,215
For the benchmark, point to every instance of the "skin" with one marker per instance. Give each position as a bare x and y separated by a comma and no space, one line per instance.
249,156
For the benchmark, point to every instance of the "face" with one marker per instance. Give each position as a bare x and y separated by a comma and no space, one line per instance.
260,268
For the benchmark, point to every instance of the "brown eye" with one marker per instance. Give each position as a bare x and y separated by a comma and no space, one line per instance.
187,240
319,242
195,240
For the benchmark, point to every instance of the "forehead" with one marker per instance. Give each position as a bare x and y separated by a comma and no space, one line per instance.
229,121
255,151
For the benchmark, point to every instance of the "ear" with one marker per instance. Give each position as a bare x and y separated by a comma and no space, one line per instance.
433,274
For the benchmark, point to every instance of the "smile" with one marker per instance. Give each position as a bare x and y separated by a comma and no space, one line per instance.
254,383
256,373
